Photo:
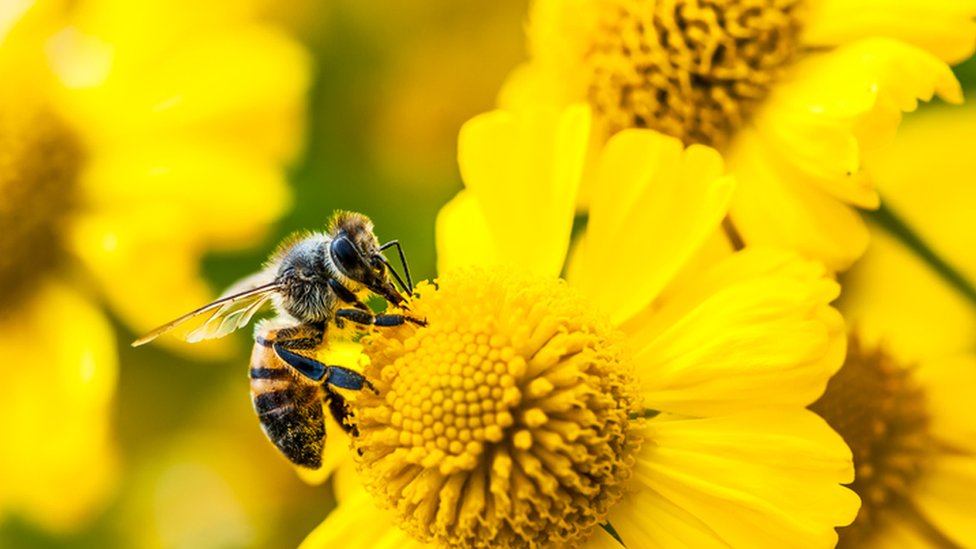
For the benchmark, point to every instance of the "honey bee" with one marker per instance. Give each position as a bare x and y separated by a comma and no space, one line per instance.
313,281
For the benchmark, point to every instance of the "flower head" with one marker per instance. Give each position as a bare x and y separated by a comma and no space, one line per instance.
514,406
791,92
657,380
119,131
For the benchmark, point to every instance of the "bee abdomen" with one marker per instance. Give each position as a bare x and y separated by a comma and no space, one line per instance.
295,426
289,407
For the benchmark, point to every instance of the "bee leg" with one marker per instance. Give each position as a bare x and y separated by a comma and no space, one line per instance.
344,378
341,412
346,296
308,367
302,337
370,319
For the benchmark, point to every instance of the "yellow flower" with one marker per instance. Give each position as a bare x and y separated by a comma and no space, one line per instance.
134,137
791,92
914,368
654,392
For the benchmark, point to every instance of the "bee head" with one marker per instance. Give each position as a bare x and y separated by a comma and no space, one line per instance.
356,253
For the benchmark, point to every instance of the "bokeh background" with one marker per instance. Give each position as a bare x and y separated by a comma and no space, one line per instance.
393,82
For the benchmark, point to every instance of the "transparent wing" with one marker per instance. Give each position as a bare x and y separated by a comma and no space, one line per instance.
225,315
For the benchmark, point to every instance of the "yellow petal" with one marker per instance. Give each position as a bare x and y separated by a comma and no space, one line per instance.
891,286
59,392
673,526
238,81
202,189
776,207
900,530
657,204
810,136
463,236
942,27
759,479
834,105
148,276
895,300
524,168
357,522
944,495
948,400
754,330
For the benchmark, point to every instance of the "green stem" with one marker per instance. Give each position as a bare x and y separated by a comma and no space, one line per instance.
610,530
894,224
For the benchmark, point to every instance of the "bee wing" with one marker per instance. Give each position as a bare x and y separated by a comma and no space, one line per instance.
226,315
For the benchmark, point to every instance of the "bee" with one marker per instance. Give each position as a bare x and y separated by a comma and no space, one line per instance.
313,281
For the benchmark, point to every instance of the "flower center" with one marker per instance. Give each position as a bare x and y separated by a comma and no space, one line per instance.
874,405
39,164
503,422
693,69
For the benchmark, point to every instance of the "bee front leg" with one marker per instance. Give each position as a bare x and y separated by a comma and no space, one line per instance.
369,319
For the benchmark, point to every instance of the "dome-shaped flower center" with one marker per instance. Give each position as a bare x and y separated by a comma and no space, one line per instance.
693,69
39,163
874,405
505,421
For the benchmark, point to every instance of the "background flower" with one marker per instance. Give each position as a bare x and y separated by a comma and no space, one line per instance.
792,93
914,359
115,156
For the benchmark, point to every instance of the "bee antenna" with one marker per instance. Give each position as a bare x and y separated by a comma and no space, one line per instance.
403,261
396,275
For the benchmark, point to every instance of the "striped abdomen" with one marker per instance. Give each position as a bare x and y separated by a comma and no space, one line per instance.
289,406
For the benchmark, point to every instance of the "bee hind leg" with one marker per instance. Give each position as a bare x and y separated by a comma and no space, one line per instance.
286,341
342,413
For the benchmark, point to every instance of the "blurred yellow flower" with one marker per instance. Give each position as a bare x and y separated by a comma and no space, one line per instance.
913,369
653,392
791,92
134,137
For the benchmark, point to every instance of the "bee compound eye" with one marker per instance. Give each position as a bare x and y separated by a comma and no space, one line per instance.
345,255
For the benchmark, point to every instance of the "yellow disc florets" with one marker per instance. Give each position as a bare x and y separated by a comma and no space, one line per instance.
693,69
39,163
873,403
505,422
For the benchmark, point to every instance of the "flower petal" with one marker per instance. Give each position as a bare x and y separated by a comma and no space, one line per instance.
755,330
59,395
645,518
224,194
944,495
897,301
463,236
760,479
657,204
811,134
942,27
948,399
775,207
524,169
357,522
240,81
